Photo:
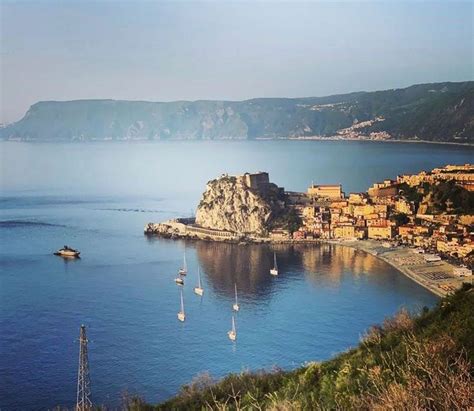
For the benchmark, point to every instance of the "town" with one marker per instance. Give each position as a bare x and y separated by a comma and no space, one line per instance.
423,224
401,211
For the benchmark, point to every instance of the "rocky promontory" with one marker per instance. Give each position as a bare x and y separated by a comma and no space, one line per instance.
241,204
233,208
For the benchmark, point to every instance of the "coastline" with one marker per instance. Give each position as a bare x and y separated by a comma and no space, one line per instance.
410,264
437,277
450,143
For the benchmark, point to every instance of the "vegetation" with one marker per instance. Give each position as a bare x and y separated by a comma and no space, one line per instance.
413,194
445,196
287,219
449,197
439,112
409,362
400,219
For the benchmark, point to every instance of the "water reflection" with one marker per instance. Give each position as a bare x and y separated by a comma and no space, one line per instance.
225,264
248,266
319,265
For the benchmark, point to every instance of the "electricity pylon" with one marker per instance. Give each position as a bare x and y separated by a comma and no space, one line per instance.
84,402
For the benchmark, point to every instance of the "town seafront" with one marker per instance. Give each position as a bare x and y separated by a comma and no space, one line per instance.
400,221
436,276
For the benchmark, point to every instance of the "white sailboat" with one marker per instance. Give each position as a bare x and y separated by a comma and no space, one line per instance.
184,269
181,314
233,332
236,307
179,281
274,270
199,290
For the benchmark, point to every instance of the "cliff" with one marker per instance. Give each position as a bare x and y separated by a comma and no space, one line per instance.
234,204
437,112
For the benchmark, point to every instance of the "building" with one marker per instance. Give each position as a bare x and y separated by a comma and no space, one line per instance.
357,198
280,234
463,175
405,230
346,231
298,235
331,191
380,232
403,206
431,258
256,180
386,189
462,272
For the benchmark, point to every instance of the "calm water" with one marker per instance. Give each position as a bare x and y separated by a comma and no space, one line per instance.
97,197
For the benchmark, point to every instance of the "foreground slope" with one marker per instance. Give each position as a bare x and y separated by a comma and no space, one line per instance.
437,112
422,362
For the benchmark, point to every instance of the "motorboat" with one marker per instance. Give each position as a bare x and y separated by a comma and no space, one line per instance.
67,251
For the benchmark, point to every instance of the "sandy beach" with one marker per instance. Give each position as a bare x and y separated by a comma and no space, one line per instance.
436,276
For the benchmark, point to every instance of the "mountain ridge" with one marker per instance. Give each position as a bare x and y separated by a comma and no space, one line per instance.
432,111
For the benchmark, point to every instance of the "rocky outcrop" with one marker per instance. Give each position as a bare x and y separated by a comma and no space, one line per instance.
230,204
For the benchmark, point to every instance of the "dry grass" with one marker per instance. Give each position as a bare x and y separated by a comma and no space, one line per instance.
435,376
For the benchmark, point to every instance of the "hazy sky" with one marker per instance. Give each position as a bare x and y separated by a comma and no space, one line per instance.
159,51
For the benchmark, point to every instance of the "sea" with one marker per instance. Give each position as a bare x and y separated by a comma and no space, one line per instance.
97,197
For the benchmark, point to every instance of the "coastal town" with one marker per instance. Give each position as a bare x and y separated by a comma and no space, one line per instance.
414,221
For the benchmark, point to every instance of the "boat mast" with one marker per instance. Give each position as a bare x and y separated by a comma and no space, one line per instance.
182,301
199,279
233,324
235,285
274,260
185,268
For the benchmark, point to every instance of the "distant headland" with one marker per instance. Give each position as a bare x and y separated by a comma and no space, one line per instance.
432,212
437,112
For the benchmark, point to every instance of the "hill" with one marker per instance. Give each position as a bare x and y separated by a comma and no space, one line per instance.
409,362
435,112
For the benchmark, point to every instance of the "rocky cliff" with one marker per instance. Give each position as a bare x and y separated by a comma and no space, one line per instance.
438,112
230,204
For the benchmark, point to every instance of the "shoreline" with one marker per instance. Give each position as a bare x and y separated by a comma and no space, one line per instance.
394,255
437,277
451,143
323,139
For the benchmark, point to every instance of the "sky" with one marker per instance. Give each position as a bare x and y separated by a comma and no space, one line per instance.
190,50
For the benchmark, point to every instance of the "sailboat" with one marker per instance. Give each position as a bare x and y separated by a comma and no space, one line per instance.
232,333
179,281
199,290
274,270
183,270
181,314
236,307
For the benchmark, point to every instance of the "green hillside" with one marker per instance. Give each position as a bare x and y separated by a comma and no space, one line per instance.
409,362
437,112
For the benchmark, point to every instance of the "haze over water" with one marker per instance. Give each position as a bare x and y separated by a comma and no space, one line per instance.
97,198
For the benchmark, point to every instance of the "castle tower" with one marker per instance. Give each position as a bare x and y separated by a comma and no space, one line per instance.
84,402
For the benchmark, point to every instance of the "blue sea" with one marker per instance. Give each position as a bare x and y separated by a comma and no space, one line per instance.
97,197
